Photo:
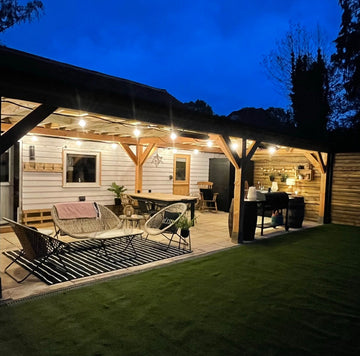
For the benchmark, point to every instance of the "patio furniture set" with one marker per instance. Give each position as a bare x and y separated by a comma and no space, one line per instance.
94,222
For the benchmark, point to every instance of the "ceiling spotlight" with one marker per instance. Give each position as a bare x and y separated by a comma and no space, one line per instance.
34,138
209,143
114,146
272,150
196,151
173,135
234,146
137,132
82,123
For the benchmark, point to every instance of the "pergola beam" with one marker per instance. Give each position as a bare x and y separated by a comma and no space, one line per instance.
21,128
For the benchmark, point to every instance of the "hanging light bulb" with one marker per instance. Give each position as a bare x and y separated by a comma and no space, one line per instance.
272,150
137,132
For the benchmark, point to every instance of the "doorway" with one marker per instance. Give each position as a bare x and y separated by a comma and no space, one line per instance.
7,185
181,182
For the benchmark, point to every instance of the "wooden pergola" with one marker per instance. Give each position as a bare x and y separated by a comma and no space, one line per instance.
48,95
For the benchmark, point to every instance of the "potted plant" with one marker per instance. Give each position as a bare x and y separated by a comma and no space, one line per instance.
184,224
117,190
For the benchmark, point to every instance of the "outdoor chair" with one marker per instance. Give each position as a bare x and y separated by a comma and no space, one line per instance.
37,248
164,223
207,196
146,209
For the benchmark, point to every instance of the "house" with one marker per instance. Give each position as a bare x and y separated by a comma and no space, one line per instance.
45,100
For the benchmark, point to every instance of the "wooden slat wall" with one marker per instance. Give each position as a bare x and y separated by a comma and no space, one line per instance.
286,163
345,203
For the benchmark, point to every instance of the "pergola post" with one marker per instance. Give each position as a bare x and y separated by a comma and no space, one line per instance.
320,163
139,158
239,160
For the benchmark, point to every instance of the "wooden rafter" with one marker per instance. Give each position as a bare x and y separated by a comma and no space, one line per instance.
224,143
130,153
150,149
21,128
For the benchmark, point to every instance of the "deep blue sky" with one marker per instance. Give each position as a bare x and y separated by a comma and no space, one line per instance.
198,49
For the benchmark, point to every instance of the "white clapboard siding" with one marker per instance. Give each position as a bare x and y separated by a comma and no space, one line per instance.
40,190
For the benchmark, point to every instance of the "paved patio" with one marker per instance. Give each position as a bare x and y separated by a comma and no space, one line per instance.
210,234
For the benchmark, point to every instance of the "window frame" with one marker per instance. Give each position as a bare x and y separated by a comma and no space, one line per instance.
96,154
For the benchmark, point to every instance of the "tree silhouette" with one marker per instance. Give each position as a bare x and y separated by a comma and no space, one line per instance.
12,13
347,59
310,94
200,106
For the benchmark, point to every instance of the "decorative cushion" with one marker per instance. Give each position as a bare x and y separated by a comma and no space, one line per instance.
168,219
207,194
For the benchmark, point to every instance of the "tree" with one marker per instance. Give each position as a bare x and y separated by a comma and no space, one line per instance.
346,60
298,41
310,94
200,106
299,68
12,13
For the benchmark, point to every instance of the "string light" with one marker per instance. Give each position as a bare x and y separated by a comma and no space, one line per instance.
137,132
173,135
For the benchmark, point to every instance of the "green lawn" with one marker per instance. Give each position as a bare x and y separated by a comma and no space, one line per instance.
298,294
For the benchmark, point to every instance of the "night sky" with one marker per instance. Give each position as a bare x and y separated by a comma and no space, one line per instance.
199,49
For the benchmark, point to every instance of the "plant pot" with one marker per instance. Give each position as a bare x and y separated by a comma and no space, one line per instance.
185,232
117,201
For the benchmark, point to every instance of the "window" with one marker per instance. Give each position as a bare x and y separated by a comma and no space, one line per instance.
81,169
4,167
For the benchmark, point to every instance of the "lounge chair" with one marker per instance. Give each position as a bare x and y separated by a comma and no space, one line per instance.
164,223
36,247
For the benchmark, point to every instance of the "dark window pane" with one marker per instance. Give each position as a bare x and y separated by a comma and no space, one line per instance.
4,167
80,168
180,169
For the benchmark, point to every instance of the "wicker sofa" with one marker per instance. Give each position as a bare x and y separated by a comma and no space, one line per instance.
85,227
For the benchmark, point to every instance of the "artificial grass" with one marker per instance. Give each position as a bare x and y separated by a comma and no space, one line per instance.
294,295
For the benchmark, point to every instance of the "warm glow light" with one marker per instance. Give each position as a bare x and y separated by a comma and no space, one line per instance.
34,138
137,132
173,135
234,146
79,143
82,123
196,151
114,146
272,150
209,143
